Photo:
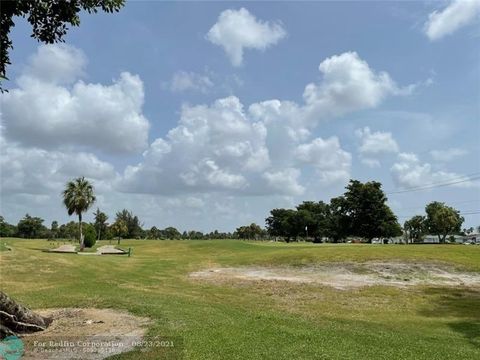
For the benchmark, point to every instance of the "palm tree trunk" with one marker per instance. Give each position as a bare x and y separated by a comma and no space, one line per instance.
81,233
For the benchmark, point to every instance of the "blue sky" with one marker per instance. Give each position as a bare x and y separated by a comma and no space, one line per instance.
207,115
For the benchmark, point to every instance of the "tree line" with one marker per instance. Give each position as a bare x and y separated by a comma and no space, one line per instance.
440,220
361,212
126,225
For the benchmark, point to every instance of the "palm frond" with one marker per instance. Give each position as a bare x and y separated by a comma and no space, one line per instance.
78,196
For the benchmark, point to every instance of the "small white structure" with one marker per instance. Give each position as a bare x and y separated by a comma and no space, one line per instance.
391,240
431,239
473,238
458,239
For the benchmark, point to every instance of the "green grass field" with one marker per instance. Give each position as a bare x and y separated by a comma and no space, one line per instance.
258,320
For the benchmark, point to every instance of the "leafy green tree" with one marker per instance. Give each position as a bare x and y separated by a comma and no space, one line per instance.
78,196
49,20
415,228
171,233
68,231
54,229
442,220
313,218
390,226
242,232
132,222
120,229
284,223
252,231
369,215
30,227
274,222
108,234
100,224
295,223
338,222
154,233
256,232
361,211
195,235
6,229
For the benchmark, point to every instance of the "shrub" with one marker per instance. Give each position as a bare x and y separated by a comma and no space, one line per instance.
90,236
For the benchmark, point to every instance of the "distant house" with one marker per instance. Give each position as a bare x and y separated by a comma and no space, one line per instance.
473,238
459,239
397,240
394,240
431,239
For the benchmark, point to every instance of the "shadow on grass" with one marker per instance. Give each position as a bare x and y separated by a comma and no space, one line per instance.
37,248
49,250
462,304
471,330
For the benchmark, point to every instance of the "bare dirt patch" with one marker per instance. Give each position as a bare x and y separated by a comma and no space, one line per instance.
345,276
85,334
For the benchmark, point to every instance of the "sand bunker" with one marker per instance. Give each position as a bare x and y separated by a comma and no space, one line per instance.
349,275
64,249
109,249
102,250
85,334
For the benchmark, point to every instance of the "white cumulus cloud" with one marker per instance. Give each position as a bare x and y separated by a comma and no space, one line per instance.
237,30
329,159
221,153
190,81
57,64
409,171
456,15
93,116
38,171
348,84
261,150
213,148
376,142
285,181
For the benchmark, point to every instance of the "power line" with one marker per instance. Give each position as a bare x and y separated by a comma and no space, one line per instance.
471,177
447,202
471,212
465,212
455,180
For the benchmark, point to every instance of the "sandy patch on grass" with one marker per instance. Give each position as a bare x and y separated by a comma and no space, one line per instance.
66,248
85,334
349,275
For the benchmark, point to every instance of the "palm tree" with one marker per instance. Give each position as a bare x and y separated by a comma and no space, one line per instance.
78,197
